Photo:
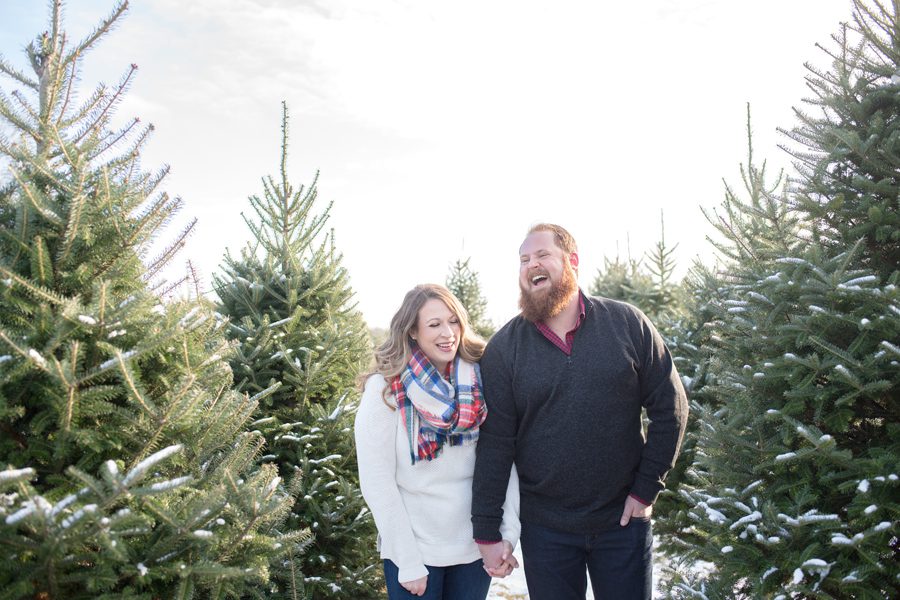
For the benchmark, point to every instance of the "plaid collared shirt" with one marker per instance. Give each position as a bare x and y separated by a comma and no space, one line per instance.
566,344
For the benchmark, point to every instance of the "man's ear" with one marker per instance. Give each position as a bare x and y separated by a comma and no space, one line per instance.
573,259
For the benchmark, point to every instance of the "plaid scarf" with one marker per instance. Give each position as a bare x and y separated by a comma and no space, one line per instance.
435,412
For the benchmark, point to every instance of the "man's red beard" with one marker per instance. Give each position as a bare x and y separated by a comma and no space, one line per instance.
540,305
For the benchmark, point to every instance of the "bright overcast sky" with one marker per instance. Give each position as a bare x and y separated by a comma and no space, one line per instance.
444,129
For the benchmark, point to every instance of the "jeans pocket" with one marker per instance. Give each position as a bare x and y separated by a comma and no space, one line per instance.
645,520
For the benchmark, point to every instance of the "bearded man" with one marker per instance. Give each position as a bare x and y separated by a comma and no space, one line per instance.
566,382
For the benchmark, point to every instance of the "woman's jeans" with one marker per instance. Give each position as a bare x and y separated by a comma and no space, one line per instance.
618,561
456,582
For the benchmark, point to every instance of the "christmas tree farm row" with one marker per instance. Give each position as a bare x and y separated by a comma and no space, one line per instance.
789,346
188,448
159,448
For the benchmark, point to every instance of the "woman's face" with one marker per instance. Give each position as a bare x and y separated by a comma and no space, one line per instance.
437,332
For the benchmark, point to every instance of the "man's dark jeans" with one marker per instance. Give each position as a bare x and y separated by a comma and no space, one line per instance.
618,561
457,582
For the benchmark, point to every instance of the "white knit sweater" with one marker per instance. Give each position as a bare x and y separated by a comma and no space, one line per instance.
422,511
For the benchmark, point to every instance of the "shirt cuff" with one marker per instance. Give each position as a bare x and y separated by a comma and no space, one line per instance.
411,573
639,499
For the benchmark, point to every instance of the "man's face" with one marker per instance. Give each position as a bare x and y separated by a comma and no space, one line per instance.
546,276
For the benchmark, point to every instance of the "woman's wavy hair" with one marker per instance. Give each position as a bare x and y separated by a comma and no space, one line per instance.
392,356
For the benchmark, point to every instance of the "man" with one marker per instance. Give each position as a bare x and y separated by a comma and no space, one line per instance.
565,382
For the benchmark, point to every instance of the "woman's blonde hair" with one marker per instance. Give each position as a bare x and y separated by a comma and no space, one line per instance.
392,356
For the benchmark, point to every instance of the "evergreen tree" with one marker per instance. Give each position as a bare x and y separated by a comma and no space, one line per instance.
795,481
754,231
624,280
652,288
290,307
846,148
464,284
127,470
688,340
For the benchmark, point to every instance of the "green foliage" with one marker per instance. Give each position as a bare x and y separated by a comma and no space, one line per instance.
128,470
846,146
464,284
688,339
651,287
792,490
796,460
625,280
289,303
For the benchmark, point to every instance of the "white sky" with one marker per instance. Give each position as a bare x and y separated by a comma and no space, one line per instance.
444,129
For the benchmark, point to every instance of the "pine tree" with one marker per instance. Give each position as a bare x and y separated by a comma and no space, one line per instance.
127,470
753,234
622,279
652,288
688,339
464,284
795,481
289,303
846,148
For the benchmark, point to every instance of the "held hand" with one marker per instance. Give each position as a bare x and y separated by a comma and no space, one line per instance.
416,587
635,509
507,564
502,571
492,554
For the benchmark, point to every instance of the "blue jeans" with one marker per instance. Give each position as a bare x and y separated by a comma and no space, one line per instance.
618,561
456,582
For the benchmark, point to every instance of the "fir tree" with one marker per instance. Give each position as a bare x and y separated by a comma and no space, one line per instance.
652,288
846,147
622,279
688,339
464,284
128,473
289,302
754,232
796,473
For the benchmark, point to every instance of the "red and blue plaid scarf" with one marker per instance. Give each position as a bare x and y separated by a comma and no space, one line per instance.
434,411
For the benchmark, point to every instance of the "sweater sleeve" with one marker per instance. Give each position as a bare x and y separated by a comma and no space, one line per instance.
510,527
496,448
376,437
665,401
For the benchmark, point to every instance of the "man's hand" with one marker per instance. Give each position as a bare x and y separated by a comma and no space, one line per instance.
508,562
416,587
498,558
492,554
634,508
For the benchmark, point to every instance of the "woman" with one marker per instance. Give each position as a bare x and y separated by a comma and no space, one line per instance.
416,430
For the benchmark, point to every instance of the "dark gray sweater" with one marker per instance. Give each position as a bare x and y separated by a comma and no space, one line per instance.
572,424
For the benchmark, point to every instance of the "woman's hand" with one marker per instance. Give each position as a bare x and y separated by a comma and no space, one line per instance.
416,587
503,570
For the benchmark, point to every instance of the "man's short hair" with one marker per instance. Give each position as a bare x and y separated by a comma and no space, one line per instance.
561,237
